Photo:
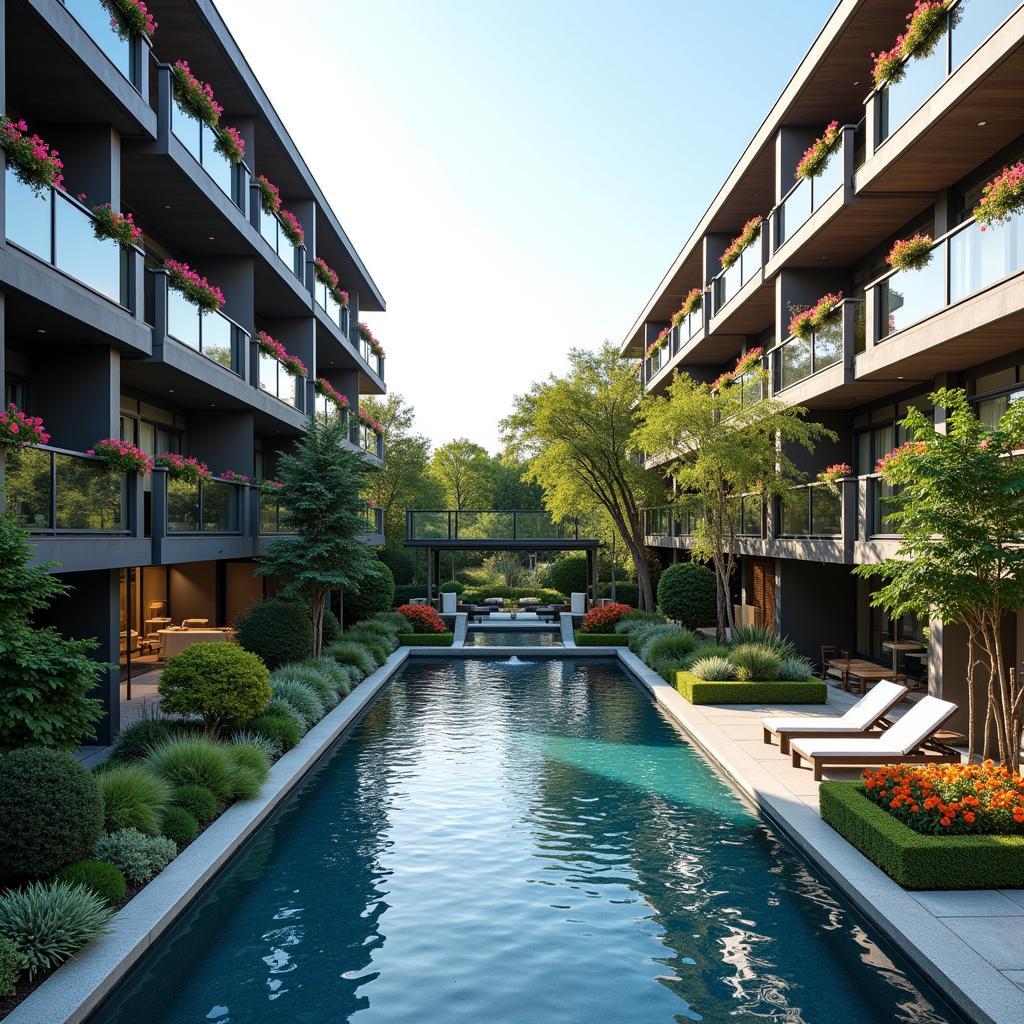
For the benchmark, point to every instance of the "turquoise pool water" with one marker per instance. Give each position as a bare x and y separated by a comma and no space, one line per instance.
514,638
525,846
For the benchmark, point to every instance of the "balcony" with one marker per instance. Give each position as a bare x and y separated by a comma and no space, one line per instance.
798,359
657,361
325,410
811,510
374,361
810,194
201,141
97,20
367,439
490,528
374,531
213,335
275,380
728,283
336,313
208,506
291,255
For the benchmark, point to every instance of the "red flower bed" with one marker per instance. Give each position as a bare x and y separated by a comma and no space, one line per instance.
604,618
422,618
943,799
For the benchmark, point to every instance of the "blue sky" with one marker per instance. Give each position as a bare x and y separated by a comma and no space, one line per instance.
517,175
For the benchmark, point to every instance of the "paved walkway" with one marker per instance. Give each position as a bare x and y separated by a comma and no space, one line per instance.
973,938
145,703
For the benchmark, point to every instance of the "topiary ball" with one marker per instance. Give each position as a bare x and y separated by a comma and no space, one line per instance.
51,810
102,878
178,825
375,593
277,631
197,800
567,575
687,593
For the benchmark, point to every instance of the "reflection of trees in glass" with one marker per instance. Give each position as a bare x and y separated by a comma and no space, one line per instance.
27,487
220,506
182,506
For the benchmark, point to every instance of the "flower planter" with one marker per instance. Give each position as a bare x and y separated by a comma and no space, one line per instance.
19,431
911,253
118,226
700,691
746,238
817,155
1002,197
122,455
33,161
182,278
131,18
182,467
194,96
804,324
329,279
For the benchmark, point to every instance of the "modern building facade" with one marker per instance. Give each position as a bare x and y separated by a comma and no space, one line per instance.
97,340
910,157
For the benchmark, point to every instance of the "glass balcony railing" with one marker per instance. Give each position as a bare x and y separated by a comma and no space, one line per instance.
813,510
657,360
729,282
374,361
367,439
688,329
796,359
878,506
290,254
209,506
807,195
659,522
966,261
215,335
98,21
969,24
59,230
374,519
751,510
49,490
201,141
276,381
334,310
273,517
325,410
476,525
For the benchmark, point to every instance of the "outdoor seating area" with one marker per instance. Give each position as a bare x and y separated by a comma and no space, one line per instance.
526,608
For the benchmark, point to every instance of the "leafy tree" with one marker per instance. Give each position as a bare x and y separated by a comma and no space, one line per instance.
376,593
724,445
568,574
574,432
322,482
961,556
463,471
511,489
687,593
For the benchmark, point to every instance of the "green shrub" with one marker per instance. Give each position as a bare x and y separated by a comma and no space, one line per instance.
399,623
625,593
51,812
452,587
277,631
672,646
705,650
376,593
219,682
387,630
477,595
193,760
698,691
348,653
102,878
634,620
302,698
379,646
687,593
712,669
331,628
567,575
278,707
51,921
199,801
652,637
249,770
755,663
277,729
917,861
12,963
600,639
133,796
178,825
740,635
795,668
133,741
639,637
139,856
312,677
270,748
426,639
337,676
669,670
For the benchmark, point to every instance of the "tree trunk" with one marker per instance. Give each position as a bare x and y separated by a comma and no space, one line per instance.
319,603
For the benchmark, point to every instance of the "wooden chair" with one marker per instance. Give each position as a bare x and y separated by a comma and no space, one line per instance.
829,652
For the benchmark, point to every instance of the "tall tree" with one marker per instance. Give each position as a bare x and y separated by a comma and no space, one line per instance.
574,432
725,440
322,483
463,470
960,515
511,489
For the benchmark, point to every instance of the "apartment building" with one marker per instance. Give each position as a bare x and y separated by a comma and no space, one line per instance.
910,157
99,339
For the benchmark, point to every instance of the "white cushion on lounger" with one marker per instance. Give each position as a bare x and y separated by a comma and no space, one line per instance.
859,718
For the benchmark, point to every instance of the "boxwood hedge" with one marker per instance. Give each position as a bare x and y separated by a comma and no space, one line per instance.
697,691
601,639
425,639
919,861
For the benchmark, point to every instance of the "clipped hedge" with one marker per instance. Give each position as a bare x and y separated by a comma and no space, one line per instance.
918,861
425,639
478,595
601,639
698,691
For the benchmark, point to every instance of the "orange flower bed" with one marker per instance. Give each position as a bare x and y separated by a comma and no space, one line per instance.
946,799
604,618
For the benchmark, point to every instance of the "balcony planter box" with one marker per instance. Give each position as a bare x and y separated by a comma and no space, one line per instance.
698,691
425,639
601,639
918,861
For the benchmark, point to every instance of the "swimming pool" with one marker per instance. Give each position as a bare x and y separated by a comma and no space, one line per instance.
514,638
531,845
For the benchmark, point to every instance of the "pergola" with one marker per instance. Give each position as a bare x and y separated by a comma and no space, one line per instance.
440,530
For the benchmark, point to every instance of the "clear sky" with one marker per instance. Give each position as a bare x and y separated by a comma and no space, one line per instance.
516,174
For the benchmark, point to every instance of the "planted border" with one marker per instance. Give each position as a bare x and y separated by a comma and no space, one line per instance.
425,639
601,639
918,861
700,691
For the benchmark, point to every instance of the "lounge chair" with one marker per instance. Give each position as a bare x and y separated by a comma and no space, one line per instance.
910,741
868,712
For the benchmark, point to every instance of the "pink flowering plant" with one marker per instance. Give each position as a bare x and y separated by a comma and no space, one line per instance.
888,464
122,455
121,227
327,390
693,301
816,156
182,278
271,486
291,227
911,253
130,18
367,335
831,475
926,25
746,238
270,195
660,340
1002,197
368,421
329,278
722,380
183,467
748,361
235,478
194,96
272,347
806,322
34,163
18,430
230,144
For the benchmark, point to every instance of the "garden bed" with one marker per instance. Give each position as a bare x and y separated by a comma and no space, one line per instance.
601,639
699,691
425,639
919,861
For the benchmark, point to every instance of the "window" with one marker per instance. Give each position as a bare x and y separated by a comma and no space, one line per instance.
14,391
1000,389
